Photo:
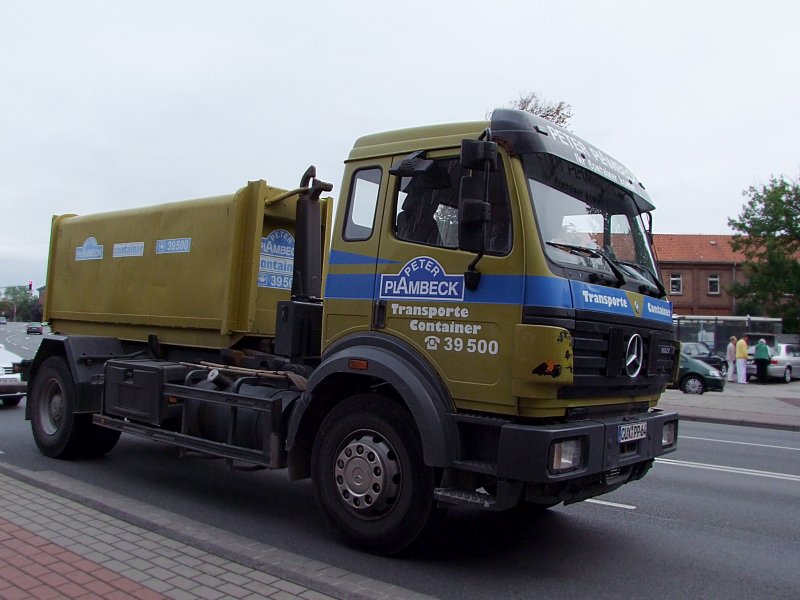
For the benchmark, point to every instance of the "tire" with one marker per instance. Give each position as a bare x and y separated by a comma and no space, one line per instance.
99,441
57,431
368,474
692,384
787,375
9,402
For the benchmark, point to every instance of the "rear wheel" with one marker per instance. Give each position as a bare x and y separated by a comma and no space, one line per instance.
57,430
99,441
692,384
787,375
369,477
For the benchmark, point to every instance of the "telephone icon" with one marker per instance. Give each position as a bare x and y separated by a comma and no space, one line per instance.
432,342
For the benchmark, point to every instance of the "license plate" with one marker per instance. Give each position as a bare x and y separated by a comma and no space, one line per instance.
631,432
9,380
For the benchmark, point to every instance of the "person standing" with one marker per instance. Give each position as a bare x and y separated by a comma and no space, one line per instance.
741,359
730,358
762,360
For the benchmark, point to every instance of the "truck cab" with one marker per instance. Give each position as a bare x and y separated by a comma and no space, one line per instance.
531,355
568,312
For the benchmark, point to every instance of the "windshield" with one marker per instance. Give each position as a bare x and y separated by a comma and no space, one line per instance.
588,222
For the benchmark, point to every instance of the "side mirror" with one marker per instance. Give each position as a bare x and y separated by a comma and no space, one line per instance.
474,213
479,155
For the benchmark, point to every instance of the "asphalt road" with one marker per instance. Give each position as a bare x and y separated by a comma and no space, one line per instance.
716,519
14,338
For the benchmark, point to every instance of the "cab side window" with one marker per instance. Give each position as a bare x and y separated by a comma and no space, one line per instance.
364,190
427,207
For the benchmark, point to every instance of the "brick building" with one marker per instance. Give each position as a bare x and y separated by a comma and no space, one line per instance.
697,271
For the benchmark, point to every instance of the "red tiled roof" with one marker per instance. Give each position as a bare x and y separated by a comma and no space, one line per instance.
675,247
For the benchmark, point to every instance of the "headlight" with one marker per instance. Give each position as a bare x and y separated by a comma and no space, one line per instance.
566,455
714,373
669,434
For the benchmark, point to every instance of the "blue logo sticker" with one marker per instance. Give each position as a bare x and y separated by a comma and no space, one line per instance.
128,249
602,299
658,310
90,250
276,263
423,278
174,246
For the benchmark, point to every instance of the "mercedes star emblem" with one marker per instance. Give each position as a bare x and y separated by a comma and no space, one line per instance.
634,355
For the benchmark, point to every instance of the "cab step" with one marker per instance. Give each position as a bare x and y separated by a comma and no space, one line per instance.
454,496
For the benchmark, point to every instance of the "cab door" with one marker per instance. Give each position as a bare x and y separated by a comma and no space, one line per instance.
350,266
420,293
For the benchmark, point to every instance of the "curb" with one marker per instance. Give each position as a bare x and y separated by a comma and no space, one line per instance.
738,422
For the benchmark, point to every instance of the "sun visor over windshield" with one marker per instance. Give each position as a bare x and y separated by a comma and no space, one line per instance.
522,133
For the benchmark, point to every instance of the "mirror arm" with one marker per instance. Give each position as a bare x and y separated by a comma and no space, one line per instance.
472,277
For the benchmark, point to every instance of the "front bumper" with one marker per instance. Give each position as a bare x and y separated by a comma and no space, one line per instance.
12,388
525,451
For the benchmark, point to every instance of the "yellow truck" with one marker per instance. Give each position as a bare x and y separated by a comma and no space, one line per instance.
478,322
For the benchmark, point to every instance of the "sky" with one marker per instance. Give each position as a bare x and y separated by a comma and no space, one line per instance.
112,105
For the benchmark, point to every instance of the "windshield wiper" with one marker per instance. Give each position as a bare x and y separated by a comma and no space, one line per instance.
596,253
662,291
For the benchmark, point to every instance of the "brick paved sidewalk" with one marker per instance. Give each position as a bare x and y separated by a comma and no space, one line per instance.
33,567
53,547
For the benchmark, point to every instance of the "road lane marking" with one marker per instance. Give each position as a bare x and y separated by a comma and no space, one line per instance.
686,437
723,469
614,504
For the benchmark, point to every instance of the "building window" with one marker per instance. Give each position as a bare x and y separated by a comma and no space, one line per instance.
713,285
676,283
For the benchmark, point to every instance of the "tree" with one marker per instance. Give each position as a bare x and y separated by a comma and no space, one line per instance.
559,113
768,234
19,304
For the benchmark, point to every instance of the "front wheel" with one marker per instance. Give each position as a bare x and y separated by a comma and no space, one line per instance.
369,476
693,385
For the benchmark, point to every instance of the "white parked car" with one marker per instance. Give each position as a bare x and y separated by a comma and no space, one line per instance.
784,362
12,388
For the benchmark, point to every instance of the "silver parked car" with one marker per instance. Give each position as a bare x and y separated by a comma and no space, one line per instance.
784,362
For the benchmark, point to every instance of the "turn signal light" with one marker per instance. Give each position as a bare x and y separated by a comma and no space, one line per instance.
566,455
669,434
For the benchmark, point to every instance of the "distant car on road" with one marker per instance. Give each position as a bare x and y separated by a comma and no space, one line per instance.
784,362
696,377
3,321
700,351
12,388
34,328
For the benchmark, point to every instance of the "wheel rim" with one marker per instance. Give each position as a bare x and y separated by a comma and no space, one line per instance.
51,408
787,375
367,474
693,386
